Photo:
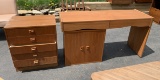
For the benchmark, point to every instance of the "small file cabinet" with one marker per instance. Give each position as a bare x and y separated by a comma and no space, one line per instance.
32,42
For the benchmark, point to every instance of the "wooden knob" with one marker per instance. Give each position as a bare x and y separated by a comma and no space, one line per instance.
35,61
32,39
87,47
82,48
31,31
33,49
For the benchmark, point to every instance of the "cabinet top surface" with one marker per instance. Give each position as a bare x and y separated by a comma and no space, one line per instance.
31,21
107,15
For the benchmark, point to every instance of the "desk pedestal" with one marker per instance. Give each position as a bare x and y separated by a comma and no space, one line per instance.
83,46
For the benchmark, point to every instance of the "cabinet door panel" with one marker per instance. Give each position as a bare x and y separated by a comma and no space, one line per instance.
83,46
72,44
94,44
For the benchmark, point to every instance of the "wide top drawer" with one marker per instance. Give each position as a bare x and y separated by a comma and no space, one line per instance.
85,25
17,32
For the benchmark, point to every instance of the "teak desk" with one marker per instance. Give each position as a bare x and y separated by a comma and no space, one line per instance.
84,32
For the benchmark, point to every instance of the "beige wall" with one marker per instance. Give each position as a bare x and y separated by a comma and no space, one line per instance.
8,7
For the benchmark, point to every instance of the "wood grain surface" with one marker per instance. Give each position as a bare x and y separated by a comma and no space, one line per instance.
155,10
31,21
18,32
155,13
106,15
41,39
29,48
137,39
146,71
32,41
76,43
74,23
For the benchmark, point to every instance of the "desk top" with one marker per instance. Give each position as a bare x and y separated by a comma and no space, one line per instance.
31,21
107,15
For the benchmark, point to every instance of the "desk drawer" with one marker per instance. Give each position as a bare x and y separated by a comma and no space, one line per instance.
34,55
30,31
33,48
85,25
36,62
126,23
31,40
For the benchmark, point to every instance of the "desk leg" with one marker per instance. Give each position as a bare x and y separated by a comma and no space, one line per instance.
137,39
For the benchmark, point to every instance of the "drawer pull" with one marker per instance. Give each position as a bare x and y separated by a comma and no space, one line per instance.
32,39
35,55
87,47
82,48
31,31
36,61
33,49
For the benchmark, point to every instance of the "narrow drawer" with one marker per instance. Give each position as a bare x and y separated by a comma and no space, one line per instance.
85,25
13,41
16,32
126,23
36,62
155,13
27,49
34,55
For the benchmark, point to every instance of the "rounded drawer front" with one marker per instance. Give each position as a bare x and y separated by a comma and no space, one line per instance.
33,48
14,41
34,55
30,31
35,62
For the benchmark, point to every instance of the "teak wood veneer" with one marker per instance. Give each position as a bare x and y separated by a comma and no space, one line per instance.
145,71
32,42
84,32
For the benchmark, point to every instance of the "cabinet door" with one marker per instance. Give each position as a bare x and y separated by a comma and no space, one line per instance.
72,44
83,46
94,45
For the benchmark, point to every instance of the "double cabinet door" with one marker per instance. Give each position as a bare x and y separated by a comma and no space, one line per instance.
83,46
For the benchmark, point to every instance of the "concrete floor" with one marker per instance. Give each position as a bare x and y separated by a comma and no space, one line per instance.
116,54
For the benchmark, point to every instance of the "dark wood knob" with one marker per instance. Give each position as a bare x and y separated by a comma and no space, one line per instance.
87,47
31,31
32,39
